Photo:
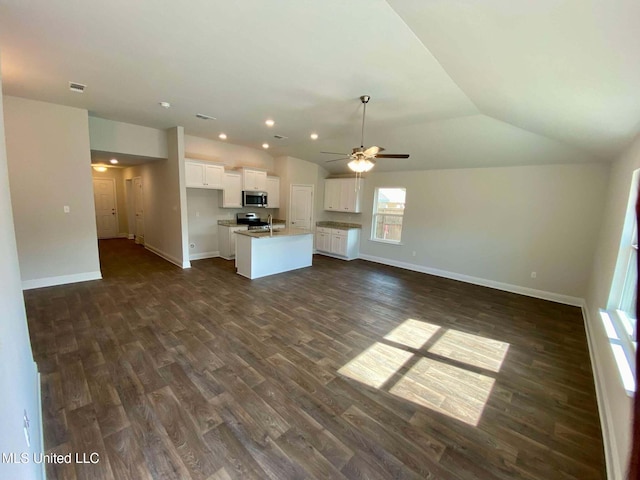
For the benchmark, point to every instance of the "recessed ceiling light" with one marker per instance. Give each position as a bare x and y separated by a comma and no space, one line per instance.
164,104
269,123
202,116
100,168
77,87
222,136
314,136
113,161
265,145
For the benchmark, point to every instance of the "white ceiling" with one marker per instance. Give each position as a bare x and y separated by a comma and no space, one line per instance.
455,83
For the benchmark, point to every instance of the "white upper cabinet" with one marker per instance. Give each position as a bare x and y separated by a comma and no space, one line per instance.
203,175
232,190
254,180
343,194
273,192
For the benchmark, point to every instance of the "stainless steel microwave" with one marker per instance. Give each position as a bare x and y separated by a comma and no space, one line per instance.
254,199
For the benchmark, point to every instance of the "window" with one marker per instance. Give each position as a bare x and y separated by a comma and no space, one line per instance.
620,318
388,211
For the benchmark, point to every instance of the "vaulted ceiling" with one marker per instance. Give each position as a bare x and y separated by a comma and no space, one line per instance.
455,83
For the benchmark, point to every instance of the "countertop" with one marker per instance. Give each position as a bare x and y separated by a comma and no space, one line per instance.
285,232
338,225
232,223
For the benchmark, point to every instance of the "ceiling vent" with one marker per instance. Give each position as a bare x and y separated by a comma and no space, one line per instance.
77,87
280,137
202,116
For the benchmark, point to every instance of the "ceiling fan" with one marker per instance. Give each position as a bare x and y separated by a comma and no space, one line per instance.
363,159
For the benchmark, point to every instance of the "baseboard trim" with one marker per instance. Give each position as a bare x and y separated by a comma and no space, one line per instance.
339,257
611,450
167,257
123,235
60,280
131,236
40,448
507,287
202,256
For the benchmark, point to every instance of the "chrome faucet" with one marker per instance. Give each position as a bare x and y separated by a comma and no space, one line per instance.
270,222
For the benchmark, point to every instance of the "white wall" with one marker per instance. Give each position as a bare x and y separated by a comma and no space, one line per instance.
614,402
230,155
119,137
50,167
294,171
175,231
162,203
19,380
498,224
204,209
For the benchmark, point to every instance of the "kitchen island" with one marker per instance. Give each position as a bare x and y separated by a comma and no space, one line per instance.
263,253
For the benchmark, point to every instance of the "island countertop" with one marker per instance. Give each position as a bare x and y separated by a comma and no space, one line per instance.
284,232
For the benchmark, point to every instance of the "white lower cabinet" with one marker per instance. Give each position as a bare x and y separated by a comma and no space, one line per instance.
227,240
337,242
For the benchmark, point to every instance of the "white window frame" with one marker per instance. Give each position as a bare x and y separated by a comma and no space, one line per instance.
622,328
375,214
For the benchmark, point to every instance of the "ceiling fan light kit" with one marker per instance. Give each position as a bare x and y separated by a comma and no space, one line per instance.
363,159
360,165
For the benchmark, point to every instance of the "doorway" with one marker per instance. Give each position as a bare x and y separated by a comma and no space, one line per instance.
138,210
301,206
104,196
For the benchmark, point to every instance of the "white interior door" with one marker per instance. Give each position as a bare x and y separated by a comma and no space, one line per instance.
138,209
104,196
301,206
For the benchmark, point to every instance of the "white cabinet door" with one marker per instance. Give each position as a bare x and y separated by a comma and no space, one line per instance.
348,194
232,190
332,194
254,180
202,175
273,192
194,175
343,194
339,242
323,239
232,239
213,176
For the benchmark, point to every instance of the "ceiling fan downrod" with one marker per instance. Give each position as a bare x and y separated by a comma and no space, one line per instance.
364,99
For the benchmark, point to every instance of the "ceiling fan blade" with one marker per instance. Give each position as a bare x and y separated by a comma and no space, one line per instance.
336,159
335,153
371,151
393,155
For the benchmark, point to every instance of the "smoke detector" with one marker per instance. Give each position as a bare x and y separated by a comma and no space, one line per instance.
77,87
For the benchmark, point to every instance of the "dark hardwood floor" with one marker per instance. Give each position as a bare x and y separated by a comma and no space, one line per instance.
342,370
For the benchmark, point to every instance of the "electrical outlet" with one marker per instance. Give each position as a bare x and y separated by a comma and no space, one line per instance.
66,209
197,214
534,274
413,254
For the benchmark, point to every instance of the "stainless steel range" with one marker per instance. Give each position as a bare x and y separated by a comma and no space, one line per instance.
252,221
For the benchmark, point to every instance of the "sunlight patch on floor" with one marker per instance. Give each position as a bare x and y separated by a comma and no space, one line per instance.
433,383
376,365
412,333
471,349
454,391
